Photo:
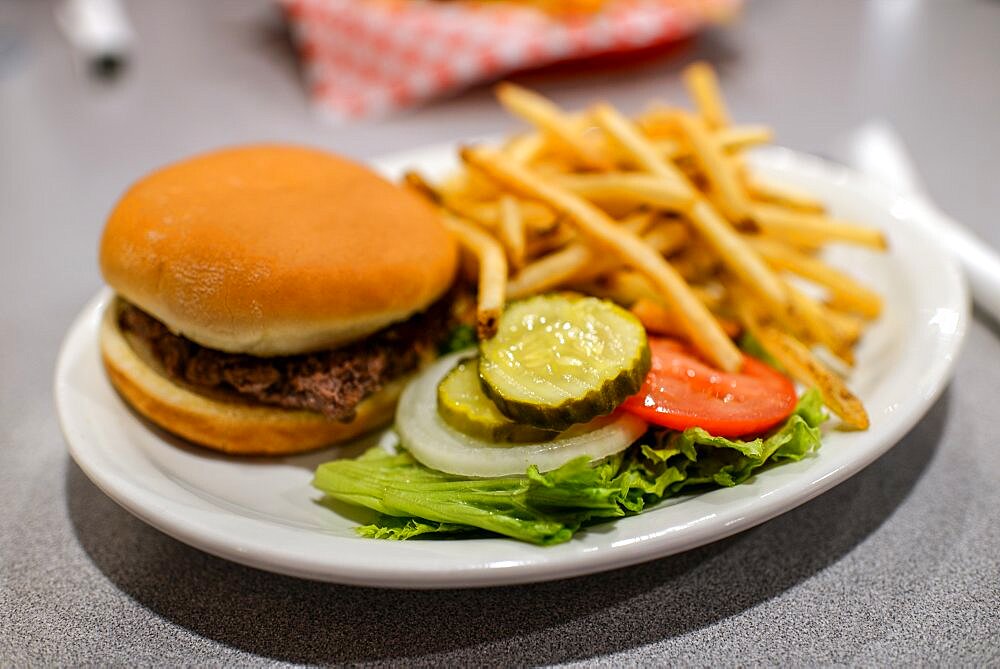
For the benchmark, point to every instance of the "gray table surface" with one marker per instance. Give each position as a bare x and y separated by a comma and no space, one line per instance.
899,565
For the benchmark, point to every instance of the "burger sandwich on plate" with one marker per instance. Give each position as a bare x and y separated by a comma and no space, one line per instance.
271,299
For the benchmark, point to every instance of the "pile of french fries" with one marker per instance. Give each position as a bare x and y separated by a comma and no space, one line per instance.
661,214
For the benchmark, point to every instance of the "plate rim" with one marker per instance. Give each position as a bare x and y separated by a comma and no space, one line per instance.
160,516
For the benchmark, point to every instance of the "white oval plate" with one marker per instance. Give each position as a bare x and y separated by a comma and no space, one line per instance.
263,512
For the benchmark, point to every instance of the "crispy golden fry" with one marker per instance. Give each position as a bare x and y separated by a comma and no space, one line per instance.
779,194
627,286
525,149
695,263
846,327
813,228
732,139
543,242
418,184
846,293
550,271
703,87
742,261
736,138
547,116
472,211
492,273
702,329
511,230
637,146
811,315
579,263
659,320
664,239
468,185
534,215
630,188
667,237
804,367
719,171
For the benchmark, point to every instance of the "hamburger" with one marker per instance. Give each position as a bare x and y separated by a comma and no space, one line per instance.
271,299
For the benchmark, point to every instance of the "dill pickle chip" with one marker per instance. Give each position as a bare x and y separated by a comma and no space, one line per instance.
560,359
463,405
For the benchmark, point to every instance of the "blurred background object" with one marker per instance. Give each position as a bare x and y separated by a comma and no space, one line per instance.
368,57
99,31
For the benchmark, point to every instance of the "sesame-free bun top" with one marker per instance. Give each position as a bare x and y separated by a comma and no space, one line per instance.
275,250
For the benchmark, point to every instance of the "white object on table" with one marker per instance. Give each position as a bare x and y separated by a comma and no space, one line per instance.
876,150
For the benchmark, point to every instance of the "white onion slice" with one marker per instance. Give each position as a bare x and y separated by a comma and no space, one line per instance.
439,446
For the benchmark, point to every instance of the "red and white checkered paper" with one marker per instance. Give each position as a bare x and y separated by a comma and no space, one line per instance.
370,57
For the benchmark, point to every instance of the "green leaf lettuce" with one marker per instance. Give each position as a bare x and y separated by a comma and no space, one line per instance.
548,508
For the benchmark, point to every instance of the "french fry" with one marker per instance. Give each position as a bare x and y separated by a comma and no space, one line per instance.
659,320
732,140
716,167
420,185
738,257
543,242
702,329
703,87
550,271
780,194
536,217
487,214
846,327
811,315
511,230
525,149
736,138
548,117
813,228
627,286
492,273
667,237
632,188
695,263
638,147
719,233
846,293
456,205
577,262
664,239
804,367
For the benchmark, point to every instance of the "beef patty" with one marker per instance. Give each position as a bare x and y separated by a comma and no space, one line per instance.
330,382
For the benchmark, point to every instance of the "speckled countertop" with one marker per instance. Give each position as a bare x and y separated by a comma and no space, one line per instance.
898,566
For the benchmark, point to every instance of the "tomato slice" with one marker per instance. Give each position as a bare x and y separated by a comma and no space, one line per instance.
682,391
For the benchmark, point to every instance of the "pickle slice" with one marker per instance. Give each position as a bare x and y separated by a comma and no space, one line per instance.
562,359
463,405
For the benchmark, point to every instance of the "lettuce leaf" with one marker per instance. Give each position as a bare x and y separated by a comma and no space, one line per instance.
548,508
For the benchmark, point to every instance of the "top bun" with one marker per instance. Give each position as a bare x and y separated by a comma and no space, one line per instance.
275,250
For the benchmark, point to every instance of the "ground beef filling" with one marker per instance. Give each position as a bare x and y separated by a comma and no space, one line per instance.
329,382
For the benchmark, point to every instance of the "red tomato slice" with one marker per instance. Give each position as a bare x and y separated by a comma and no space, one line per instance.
681,391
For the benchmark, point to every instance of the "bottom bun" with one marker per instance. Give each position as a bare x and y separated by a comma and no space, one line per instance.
228,426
